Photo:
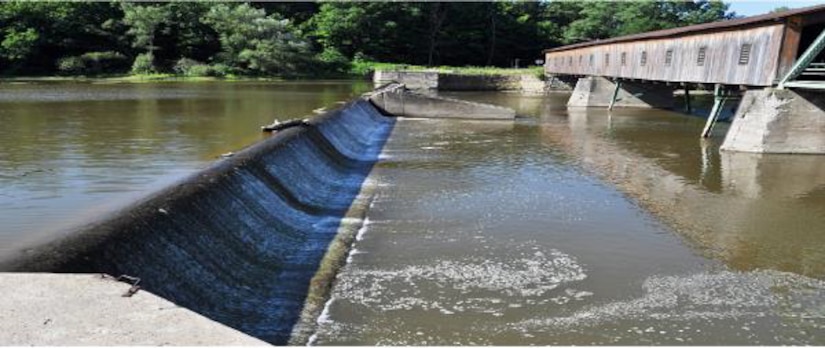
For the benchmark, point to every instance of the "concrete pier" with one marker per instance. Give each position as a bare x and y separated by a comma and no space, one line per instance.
778,121
90,310
594,91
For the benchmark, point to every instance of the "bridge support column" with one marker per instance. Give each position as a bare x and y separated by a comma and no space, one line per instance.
778,121
599,92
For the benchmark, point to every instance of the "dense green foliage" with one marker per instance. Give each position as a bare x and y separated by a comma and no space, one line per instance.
304,39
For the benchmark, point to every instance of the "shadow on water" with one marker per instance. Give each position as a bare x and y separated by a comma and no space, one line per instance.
240,241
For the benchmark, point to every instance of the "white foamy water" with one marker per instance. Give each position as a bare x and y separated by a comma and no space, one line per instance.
703,297
525,278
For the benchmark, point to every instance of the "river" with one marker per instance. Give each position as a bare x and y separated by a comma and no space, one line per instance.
581,227
70,152
569,227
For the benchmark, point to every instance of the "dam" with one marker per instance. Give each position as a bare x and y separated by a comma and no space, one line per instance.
557,227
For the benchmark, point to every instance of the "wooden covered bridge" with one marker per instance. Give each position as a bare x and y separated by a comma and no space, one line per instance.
773,62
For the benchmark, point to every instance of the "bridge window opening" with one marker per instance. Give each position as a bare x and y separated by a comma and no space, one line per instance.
700,59
624,58
580,59
569,60
644,58
607,59
808,36
591,60
745,54
814,70
668,57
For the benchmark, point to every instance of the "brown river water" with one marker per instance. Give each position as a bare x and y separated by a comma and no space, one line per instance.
562,227
70,152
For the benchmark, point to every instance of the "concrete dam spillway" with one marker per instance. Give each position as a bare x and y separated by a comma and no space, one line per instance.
240,241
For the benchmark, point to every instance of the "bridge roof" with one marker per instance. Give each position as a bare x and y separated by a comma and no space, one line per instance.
698,28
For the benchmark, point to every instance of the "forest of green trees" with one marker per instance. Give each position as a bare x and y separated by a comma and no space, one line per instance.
306,39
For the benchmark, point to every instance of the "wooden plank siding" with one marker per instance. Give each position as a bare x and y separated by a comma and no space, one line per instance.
721,62
790,45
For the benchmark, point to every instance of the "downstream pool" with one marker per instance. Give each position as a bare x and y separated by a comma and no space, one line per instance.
579,227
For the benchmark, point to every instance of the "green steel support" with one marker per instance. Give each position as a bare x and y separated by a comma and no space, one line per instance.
718,104
687,100
615,95
804,60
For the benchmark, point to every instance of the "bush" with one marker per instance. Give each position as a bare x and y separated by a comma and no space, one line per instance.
72,65
200,70
93,63
144,64
105,62
190,67
332,61
219,70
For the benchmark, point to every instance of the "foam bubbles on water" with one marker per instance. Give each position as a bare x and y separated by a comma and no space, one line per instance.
413,286
699,297
361,231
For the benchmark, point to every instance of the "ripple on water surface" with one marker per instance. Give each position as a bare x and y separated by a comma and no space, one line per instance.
484,233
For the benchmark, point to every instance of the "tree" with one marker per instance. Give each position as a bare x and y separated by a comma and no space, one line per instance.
143,21
601,20
34,34
19,44
255,42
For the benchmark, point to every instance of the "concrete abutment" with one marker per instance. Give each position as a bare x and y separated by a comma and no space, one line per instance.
778,121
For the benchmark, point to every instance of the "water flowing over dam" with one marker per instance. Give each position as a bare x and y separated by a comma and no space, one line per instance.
240,241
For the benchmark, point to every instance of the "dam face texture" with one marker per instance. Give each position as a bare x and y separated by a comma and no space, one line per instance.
239,242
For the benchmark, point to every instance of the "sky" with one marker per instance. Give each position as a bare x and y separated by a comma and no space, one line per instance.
757,7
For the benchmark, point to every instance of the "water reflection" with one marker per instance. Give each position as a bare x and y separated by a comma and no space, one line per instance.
71,151
491,233
752,211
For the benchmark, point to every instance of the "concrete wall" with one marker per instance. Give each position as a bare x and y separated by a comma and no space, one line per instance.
412,79
778,121
598,91
40,309
397,100
418,80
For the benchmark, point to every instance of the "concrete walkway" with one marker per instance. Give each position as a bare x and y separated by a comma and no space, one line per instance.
88,309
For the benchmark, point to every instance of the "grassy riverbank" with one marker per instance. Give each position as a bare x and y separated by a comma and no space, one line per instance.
359,70
364,68
134,78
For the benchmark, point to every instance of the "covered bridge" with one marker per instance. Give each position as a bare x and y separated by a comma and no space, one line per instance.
752,51
756,59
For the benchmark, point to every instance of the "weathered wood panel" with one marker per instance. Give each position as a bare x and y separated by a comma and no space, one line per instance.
721,63
790,45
